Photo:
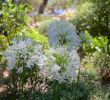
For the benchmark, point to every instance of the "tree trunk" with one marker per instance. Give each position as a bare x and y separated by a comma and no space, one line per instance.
42,7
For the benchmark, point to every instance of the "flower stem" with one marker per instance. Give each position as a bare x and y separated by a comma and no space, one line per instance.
22,80
77,83
56,90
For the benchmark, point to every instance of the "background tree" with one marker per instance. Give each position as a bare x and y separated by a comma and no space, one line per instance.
42,7
93,15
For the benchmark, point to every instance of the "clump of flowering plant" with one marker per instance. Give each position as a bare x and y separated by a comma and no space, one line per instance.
25,59
63,33
63,68
30,65
25,52
64,64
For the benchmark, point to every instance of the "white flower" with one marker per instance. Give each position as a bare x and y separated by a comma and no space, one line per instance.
55,68
20,69
61,65
63,33
11,59
37,60
65,65
25,52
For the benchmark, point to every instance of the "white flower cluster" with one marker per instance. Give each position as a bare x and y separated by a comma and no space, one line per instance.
62,32
25,52
61,65
64,65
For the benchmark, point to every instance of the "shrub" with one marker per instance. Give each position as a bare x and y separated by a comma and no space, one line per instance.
94,17
13,18
84,16
97,54
43,27
101,60
34,35
91,44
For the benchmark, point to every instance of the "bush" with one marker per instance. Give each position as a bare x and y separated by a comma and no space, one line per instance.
34,35
91,44
98,61
84,16
94,17
13,18
97,54
43,27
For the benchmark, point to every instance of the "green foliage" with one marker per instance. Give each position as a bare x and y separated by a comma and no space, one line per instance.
91,44
93,15
98,66
3,42
41,18
84,16
90,73
102,60
43,27
66,93
29,83
13,18
35,4
97,54
34,34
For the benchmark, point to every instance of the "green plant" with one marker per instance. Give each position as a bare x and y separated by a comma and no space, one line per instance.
93,15
30,70
24,60
84,16
13,18
99,61
102,62
91,44
36,36
43,27
63,33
